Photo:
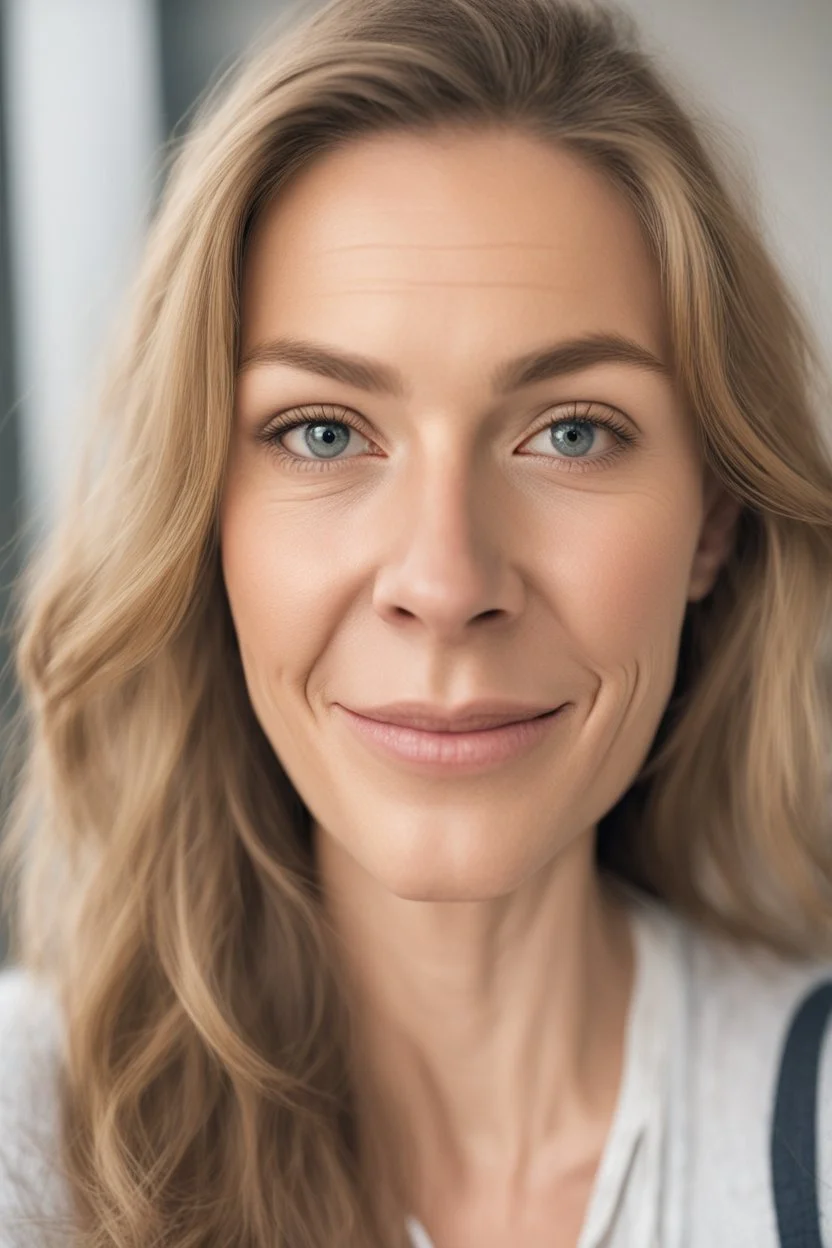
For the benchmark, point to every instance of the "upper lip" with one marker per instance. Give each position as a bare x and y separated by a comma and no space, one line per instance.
473,715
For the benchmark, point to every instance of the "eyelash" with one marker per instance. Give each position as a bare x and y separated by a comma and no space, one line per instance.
576,413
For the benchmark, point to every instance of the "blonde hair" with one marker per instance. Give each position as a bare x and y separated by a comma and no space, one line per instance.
159,857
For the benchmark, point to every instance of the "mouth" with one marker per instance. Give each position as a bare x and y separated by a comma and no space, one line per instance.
471,718
463,744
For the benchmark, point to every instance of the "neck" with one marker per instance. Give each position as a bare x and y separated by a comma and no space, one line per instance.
488,1034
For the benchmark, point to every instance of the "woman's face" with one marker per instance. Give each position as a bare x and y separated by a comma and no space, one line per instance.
446,525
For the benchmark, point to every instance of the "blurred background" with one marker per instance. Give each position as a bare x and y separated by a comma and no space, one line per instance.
90,90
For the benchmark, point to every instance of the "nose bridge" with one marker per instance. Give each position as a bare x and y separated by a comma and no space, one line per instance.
445,563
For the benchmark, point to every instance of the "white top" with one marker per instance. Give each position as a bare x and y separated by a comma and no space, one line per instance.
686,1162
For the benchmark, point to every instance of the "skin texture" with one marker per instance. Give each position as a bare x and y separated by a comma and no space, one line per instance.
452,552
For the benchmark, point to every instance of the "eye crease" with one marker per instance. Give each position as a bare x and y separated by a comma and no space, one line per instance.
330,433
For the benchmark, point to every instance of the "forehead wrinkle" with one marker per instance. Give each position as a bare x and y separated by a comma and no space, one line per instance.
461,246
415,283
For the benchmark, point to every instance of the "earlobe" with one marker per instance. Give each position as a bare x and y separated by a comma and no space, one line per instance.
716,538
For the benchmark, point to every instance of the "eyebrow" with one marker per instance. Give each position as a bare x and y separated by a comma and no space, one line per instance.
555,360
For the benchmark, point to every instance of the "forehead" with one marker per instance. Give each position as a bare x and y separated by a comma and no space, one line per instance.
471,240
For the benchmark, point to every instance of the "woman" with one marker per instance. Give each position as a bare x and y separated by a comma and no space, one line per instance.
425,832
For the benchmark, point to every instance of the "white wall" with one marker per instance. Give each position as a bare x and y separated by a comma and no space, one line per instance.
764,67
84,127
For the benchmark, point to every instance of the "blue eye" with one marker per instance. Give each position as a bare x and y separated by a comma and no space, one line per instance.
324,438
566,439
327,440
574,438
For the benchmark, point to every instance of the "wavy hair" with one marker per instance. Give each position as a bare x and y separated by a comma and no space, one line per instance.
159,860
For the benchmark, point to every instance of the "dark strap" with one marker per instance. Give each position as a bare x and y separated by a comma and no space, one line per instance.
794,1129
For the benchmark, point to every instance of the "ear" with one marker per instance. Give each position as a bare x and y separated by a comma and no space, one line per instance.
716,538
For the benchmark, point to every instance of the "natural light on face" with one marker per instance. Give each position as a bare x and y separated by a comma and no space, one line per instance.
450,535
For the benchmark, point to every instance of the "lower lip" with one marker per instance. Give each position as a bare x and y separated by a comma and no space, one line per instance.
459,752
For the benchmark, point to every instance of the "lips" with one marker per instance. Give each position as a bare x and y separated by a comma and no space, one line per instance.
472,717
451,741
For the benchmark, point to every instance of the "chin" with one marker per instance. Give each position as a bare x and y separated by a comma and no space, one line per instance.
443,890
435,855
446,877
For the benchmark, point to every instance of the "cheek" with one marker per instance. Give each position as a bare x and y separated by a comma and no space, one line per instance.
284,578
619,571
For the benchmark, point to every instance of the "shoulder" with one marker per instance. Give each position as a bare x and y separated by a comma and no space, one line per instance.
765,980
737,996
741,1002
31,1041
28,1011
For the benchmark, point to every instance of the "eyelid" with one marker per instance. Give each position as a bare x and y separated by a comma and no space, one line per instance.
584,411
309,414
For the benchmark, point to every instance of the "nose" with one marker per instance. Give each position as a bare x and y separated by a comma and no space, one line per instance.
448,565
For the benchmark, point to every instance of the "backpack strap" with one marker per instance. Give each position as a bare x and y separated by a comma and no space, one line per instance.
794,1127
